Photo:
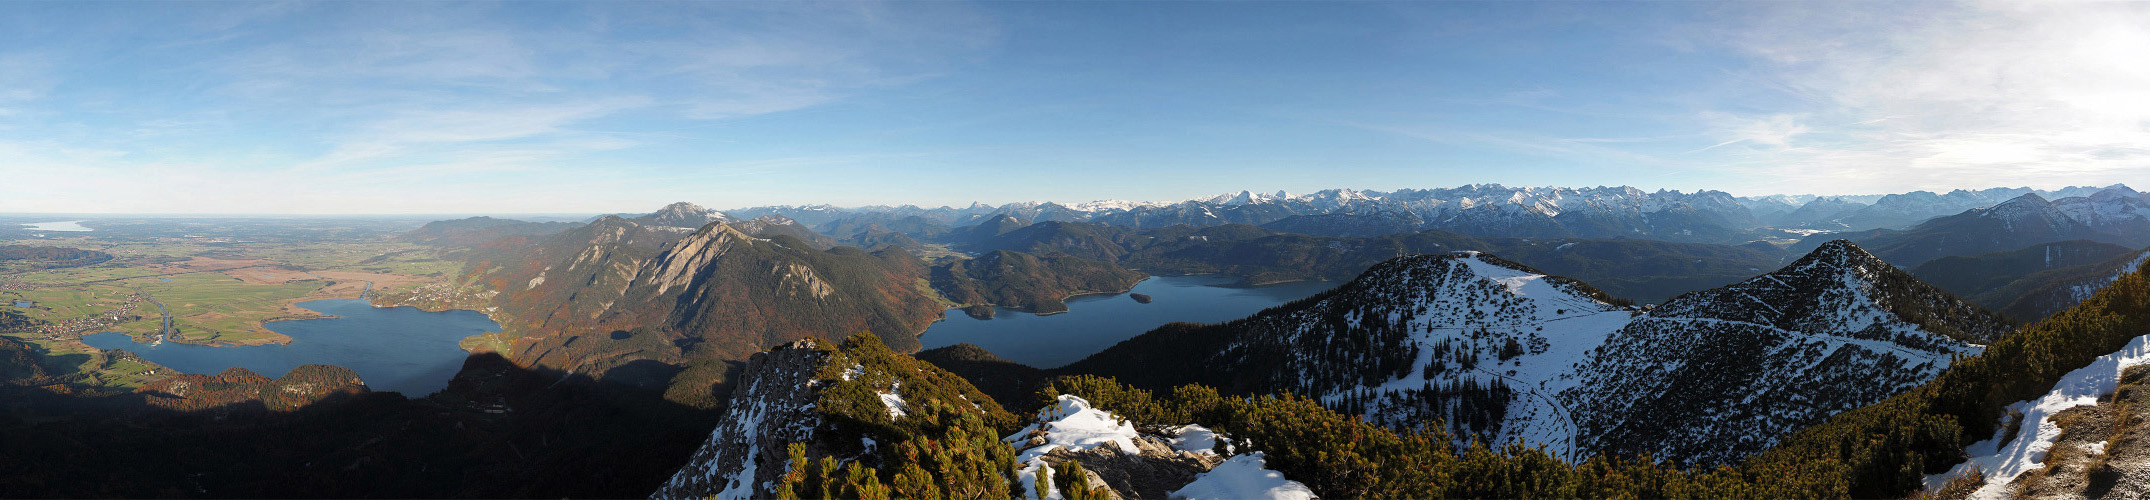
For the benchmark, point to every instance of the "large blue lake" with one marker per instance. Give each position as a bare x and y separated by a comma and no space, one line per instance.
1095,322
399,349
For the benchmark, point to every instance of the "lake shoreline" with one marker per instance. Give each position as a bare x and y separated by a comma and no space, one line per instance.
411,351
1095,321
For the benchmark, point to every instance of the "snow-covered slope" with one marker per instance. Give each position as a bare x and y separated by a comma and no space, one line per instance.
2051,292
2083,290
2118,210
1491,339
1503,353
1714,375
2004,457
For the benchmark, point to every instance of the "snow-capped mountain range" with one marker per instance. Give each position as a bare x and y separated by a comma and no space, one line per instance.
1494,210
2118,215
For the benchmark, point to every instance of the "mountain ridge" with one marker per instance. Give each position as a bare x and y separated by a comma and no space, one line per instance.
1505,353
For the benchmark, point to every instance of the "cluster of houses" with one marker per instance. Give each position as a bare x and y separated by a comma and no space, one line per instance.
92,323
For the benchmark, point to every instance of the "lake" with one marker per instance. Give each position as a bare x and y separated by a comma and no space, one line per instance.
1095,322
69,225
399,349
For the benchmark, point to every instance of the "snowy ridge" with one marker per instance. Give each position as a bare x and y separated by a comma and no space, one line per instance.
1502,353
683,214
1712,376
1477,323
1496,210
2118,210
2027,449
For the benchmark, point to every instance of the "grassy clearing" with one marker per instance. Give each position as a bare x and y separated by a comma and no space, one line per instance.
942,300
491,341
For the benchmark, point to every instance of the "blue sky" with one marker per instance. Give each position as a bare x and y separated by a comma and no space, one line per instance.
413,107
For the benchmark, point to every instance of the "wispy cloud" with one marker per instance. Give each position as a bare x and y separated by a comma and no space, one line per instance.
1774,130
400,132
302,103
1950,94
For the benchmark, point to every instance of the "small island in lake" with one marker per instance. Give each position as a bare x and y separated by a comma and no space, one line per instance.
1143,298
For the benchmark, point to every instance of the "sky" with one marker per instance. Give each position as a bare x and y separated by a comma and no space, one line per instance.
565,107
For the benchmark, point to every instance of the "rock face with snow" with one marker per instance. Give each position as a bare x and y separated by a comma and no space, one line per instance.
683,215
1501,353
2098,454
2118,210
772,408
1714,375
857,404
1134,464
2000,462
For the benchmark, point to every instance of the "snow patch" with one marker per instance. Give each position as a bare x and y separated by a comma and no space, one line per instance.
1195,439
1071,423
1244,477
894,401
2027,450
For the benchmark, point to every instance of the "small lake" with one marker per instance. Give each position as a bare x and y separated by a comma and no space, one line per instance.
400,349
70,225
1096,322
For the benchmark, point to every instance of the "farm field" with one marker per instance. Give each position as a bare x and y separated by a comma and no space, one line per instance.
218,288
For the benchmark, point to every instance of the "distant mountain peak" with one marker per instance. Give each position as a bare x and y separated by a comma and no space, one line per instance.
2028,199
2029,209
685,215
681,207
776,219
2116,191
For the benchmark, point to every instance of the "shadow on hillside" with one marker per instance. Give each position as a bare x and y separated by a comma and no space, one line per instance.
497,431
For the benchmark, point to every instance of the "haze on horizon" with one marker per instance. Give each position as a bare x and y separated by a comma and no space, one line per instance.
187,107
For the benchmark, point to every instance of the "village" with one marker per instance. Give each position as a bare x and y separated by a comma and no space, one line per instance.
94,323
